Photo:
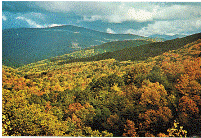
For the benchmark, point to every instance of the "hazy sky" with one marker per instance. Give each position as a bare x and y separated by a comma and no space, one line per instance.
141,18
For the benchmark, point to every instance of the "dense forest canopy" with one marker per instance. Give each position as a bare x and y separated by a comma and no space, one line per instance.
159,95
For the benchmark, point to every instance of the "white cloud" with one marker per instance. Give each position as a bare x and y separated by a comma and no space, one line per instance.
178,12
4,17
139,15
130,31
110,31
36,15
55,6
34,24
130,15
166,18
118,12
30,22
168,28
142,12
114,18
121,13
53,25
92,18
198,23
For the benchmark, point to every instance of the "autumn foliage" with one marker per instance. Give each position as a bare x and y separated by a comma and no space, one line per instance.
105,98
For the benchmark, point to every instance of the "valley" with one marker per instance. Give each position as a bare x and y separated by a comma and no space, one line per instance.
101,69
138,88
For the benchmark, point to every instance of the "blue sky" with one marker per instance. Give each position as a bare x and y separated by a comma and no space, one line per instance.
140,18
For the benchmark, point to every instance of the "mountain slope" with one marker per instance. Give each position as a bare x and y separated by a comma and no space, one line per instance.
106,98
142,52
103,48
27,45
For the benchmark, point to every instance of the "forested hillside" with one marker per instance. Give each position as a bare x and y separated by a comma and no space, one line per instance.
141,52
100,49
157,96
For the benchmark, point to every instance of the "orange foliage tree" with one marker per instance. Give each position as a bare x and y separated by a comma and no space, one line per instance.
157,115
130,130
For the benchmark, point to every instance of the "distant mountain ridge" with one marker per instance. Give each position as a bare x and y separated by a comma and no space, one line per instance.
142,52
167,37
26,45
